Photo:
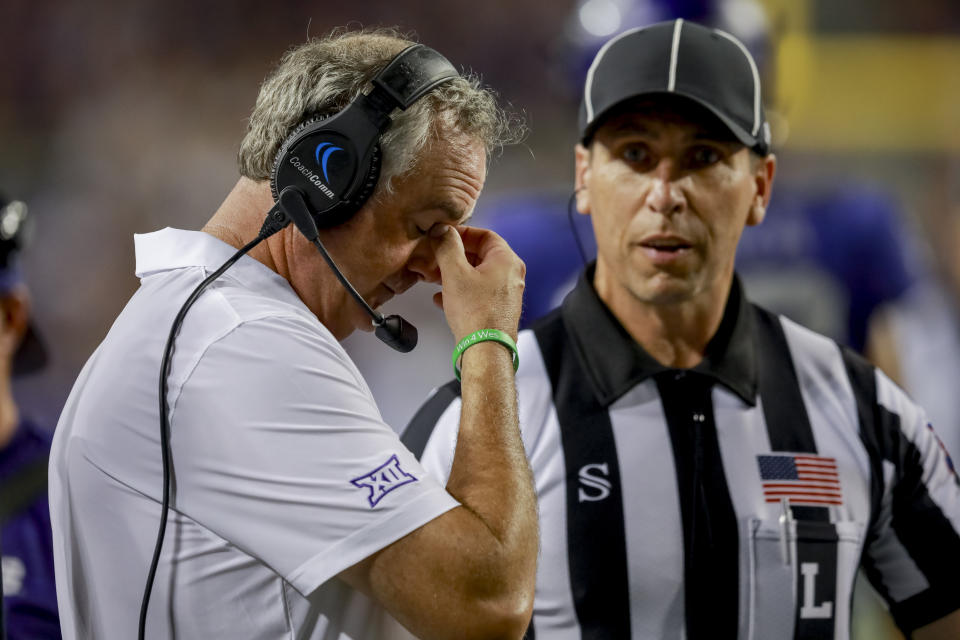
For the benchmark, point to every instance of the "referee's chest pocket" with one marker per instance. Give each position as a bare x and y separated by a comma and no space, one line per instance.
801,576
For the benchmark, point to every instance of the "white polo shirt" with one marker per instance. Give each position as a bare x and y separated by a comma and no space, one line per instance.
284,471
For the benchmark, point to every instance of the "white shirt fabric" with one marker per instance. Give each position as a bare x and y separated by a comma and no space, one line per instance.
284,472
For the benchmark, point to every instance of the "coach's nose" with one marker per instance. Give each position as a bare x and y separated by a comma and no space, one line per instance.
423,262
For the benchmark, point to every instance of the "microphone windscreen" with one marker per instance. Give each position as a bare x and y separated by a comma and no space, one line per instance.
397,333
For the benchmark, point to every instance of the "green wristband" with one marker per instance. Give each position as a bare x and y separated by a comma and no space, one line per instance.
480,336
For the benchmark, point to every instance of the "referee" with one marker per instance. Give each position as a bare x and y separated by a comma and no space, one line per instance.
704,468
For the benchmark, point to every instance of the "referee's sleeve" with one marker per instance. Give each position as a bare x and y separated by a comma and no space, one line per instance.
431,435
912,550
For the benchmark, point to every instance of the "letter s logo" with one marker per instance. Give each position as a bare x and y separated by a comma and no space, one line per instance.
597,483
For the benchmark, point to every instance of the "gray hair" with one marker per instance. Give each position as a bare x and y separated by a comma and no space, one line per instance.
323,75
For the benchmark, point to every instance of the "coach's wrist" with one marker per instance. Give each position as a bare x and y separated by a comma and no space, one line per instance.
508,326
486,343
485,360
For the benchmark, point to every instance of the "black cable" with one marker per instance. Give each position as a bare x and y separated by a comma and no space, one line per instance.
392,330
275,221
375,316
294,205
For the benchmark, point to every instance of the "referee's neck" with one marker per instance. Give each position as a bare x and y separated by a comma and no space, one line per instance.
675,332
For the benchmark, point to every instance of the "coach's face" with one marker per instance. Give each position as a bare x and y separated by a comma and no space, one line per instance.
669,194
384,249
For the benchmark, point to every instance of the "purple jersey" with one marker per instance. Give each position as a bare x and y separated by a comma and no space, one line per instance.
29,591
828,258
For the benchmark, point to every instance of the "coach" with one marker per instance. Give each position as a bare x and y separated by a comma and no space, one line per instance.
704,468
296,511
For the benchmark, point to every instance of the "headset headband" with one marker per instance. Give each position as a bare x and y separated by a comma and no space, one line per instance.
412,73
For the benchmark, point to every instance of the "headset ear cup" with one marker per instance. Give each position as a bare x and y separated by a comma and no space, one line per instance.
334,162
353,137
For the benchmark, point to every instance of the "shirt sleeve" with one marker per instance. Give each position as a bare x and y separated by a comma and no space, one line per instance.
912,550
280,449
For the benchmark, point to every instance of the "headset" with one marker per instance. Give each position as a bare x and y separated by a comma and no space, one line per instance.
324,172
335,162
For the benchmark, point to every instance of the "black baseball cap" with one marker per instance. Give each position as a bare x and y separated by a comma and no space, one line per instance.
15,228
680,58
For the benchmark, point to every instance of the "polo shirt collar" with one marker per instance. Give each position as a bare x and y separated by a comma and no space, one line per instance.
171,248
615,363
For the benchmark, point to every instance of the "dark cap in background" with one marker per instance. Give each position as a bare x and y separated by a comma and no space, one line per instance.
15,227
708,66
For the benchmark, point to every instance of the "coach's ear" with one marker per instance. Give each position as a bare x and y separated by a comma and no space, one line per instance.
582,178
764,170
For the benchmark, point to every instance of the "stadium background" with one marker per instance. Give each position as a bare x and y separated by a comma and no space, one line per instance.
120,118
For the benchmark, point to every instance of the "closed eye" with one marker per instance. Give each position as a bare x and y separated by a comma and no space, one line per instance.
416,231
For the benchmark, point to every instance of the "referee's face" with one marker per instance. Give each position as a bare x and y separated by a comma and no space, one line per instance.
669,193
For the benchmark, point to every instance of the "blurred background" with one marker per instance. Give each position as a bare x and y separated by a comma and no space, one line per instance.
125,117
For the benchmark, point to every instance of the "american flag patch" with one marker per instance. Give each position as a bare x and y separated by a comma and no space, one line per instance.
801,479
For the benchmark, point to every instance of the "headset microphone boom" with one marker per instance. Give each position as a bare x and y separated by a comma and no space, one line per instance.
392,330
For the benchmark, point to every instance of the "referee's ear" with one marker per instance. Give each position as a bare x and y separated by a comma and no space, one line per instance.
582,178
764,169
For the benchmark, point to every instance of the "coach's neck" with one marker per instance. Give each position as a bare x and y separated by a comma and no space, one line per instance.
238,221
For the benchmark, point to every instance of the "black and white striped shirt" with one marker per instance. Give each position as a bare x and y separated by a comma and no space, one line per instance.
736,499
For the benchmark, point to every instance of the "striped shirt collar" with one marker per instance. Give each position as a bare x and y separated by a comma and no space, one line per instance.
616,363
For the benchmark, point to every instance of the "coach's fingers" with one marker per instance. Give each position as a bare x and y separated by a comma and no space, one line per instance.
438,299
478,242
484,248
447,247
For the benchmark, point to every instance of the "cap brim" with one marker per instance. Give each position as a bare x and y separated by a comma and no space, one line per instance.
32,354
741,134
738,132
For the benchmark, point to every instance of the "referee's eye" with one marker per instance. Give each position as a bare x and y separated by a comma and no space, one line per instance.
636,154
703,156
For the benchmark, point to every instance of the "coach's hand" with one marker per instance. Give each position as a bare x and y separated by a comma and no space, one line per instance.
471,572
481,280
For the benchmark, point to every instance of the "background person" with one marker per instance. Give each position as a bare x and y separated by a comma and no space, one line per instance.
29,594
